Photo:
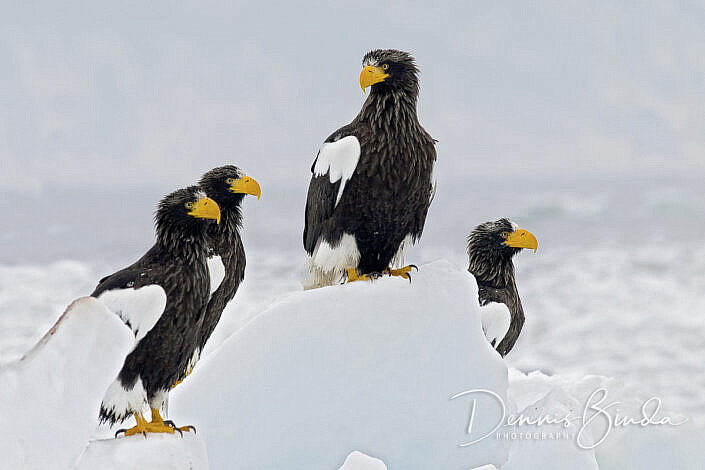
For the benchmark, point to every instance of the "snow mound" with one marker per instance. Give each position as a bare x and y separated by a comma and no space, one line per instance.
538,452
157,451
359,461
365,365
604,443
49,399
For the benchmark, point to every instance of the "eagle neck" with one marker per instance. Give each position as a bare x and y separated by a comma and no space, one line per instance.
495,273
391,111
187,247
230,222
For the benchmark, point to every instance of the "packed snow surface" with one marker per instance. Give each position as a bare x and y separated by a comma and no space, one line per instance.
155,452
388,367
49,399
364,365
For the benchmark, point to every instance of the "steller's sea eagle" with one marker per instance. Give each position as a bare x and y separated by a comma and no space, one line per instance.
227,185
372,180
162,298
491,247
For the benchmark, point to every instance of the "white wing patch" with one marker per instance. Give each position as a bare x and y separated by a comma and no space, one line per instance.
338,159
216,271
495,322
138,308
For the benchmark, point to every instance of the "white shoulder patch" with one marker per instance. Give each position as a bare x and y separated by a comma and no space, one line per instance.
338,159
216,271
495,322
138,308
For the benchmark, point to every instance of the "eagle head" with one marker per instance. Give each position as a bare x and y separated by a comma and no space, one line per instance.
228,185
492,245
388,70
184,213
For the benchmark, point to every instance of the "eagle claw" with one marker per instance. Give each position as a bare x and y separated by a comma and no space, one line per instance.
181,429
402,272
169,422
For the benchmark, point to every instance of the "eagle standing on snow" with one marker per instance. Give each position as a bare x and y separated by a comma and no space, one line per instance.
372,180
161,297
491,247
226,185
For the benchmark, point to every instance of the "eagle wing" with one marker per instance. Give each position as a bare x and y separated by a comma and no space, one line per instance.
333,167
131,296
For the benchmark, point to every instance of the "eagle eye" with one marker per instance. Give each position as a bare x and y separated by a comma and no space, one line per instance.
504,234
189,205
229,181
385,66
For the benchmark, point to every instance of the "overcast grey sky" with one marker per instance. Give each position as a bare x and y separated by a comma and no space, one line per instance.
131,93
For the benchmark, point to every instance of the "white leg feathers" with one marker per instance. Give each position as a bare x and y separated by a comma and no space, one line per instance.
329,261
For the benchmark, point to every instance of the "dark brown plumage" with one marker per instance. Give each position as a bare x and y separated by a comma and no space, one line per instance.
491,247
161,297
227,185
372,179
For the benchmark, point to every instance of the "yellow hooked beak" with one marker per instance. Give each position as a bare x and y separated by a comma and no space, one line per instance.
521,238
246,185
206,208
371,75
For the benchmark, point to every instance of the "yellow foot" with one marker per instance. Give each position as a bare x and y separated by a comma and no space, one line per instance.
143,427
157,425
353,276
403,272
183,378
157,418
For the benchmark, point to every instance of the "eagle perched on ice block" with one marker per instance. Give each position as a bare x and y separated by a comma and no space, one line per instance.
372,180
161,297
